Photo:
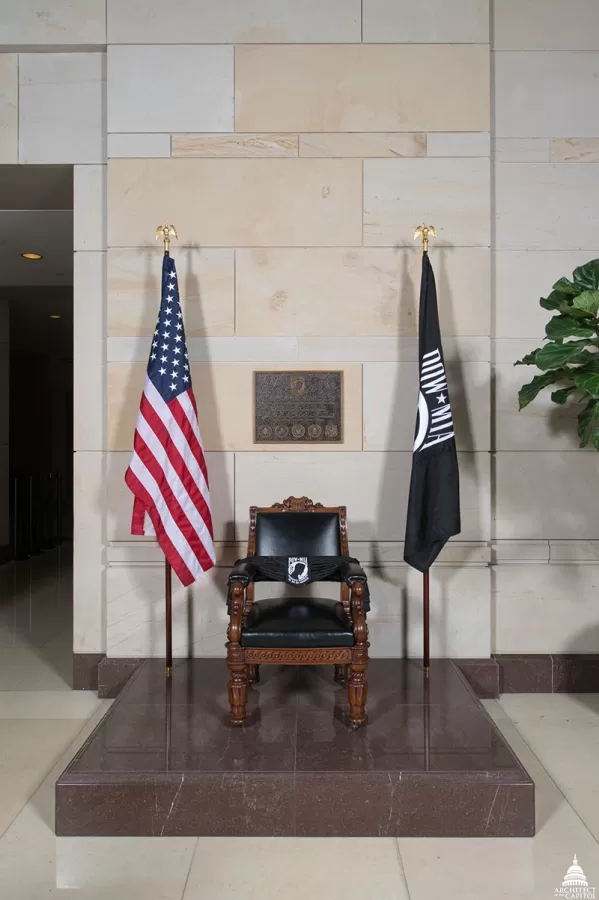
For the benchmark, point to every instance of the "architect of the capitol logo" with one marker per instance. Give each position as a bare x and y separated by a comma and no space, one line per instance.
575,885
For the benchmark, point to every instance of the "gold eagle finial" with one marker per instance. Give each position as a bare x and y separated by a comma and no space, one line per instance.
164,232
423,231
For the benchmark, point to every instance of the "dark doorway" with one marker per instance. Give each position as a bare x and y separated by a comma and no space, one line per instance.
36,421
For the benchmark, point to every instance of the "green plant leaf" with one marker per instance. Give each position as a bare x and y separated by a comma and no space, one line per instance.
587,301
587,276
567,287
585,422
596,438
554,355
556,299
529,359
529,391
589,382
567,326
567,310
560,396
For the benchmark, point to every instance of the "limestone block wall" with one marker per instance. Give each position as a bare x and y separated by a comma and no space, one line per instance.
296,145
296,154
546,189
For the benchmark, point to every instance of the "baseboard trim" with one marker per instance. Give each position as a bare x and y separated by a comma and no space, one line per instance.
113,675
503,673
85,671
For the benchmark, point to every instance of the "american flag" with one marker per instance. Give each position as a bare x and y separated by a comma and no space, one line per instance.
167,472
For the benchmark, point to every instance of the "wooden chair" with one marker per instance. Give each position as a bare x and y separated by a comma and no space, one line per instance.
294,630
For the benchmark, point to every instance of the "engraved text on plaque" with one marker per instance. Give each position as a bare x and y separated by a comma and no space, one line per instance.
298,407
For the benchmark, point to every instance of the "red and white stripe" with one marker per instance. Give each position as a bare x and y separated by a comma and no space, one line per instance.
168,476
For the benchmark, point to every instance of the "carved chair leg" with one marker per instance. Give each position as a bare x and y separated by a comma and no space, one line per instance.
253,673
238,686
341,674
357,690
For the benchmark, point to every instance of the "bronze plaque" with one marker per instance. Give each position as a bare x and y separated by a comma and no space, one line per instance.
298,407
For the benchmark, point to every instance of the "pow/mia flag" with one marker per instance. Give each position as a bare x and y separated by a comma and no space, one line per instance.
434,502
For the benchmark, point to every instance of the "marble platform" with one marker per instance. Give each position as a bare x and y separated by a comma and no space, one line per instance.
165,761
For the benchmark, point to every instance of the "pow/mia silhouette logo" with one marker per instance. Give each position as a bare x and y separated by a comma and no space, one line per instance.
297,570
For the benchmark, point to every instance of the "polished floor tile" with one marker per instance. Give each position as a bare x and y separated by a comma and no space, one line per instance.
64,704
563,729
36,630
295,868
468,869
35,864
28,748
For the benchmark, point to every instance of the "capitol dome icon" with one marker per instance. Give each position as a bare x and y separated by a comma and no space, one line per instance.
575,877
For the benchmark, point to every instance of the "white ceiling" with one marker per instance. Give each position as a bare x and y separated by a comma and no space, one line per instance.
37,217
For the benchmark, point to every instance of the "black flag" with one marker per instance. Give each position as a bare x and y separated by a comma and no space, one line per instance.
434,503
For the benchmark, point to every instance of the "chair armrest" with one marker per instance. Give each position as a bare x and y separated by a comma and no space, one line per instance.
243,571
351,570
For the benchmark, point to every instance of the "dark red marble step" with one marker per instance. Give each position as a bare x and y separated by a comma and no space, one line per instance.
164,760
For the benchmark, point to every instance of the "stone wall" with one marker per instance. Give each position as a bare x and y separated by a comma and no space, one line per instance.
296,145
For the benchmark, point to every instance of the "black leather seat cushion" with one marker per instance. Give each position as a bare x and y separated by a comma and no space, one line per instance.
297,534
302,622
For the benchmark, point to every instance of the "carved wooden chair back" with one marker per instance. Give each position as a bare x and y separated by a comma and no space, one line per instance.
303,506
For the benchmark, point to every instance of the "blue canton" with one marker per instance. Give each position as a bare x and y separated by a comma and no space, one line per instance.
168,366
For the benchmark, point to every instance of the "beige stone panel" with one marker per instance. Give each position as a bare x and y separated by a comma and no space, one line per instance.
89,291
53,22
390,349
521,149
233,21
88,552
460,617
461,143
138,145
545,94
362,87
9,100
370,291
227,145
241,202
363,145
542,425
213,349
206,285
452,194
529,196
61,108
546,609
170,88
546,494
391,396
546,25
401,21
374,487
89,202
522,277
135,613
575,150
225,397
119,499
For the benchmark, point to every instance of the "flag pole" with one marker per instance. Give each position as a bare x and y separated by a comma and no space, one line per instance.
424,231
165,231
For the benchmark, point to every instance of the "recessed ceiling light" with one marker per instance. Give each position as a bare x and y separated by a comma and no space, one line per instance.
55,317
32,255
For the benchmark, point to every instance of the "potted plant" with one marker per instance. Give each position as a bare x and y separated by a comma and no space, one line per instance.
569,359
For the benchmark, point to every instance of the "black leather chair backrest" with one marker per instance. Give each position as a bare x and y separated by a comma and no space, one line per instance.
298,534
